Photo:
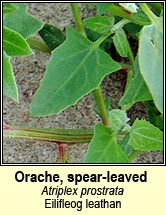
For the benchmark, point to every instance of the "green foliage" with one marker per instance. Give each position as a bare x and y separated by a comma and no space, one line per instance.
95,27
99,24
52,36
151,60
14,44
94,36
127,148
145,137
156,8
17,26
120,42
154,116
104,147
21,22
76,68
8,8
118,119
133,30
136,91
101,8
9,84
138,18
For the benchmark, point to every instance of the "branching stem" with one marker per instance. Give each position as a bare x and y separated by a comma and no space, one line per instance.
97,92
118,25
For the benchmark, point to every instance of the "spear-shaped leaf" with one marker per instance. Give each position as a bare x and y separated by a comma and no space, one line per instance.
145,136
76,68
9,83
14,44
104,147
150,56
21,22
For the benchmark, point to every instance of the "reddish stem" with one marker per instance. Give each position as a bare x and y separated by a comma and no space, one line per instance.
62,148
127,11
123,71
6,127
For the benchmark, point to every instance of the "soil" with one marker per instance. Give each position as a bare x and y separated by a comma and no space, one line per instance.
29,71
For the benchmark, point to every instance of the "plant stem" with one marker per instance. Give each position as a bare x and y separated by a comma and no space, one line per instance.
118,25
59,136
38,45
148,12
78,19
97,92
62,147
118,11
100,101
101,39
130,54
130,71
132,62
50,135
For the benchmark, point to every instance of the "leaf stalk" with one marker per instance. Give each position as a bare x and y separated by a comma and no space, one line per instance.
97,93
148,12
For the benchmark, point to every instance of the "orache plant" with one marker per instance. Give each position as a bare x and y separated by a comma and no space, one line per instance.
78,63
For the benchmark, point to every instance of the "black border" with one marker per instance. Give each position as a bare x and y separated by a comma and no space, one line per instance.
70,164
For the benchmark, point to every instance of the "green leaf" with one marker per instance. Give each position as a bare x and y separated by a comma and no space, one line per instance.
156,7
52,36
93,36
137,90
101,8
8,8
133,30
154,116
120,42
118,119
145,137
138,18
9,84
104,148
151,60
99,24
76,68
128,149
21,22
14,44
